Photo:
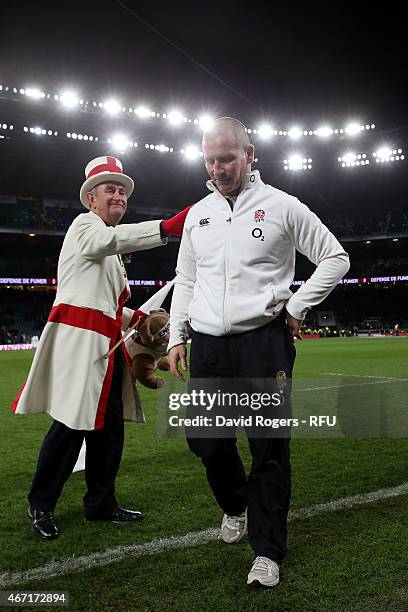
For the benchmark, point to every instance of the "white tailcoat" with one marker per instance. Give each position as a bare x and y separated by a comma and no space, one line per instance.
69,378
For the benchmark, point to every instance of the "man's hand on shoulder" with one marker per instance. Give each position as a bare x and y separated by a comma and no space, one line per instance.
294,327
174,225
178,353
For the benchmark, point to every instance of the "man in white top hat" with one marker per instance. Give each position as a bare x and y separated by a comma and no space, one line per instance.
87,394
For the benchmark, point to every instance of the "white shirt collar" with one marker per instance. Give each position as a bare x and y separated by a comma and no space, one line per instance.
249,180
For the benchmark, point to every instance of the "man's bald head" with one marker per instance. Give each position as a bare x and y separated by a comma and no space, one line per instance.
228,154
228,126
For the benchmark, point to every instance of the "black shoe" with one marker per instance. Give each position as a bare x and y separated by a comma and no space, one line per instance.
118,515
43,524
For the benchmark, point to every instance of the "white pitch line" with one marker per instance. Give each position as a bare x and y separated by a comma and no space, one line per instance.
362,376
362,384
345,503
76,564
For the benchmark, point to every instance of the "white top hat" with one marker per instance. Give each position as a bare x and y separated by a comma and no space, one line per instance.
102,170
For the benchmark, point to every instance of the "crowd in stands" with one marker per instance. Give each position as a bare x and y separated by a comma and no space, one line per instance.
13,336
399,224
51,215
32,214
144,265
23,314
394,266
386,225
367,310
362,328
35,266
347,228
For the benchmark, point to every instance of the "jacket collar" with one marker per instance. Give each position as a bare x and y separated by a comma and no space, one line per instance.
91,212
249,181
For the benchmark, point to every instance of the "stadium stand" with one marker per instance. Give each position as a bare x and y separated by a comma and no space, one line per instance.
32,230
56,215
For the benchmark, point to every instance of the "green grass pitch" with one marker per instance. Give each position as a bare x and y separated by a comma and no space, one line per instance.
354,559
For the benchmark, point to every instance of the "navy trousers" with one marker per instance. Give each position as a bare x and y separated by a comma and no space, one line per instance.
266,490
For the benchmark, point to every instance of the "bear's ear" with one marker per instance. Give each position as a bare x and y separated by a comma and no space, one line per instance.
145,334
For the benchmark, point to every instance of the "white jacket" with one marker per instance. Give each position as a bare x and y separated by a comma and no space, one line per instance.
69,378
235,268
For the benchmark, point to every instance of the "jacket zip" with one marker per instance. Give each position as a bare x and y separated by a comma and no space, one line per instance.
227,323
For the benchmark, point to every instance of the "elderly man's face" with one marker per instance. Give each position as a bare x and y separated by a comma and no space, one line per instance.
109,202
226,162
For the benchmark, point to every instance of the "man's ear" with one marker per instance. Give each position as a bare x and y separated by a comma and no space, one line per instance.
250,154
90,198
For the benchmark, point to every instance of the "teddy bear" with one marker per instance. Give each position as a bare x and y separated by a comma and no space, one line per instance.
147,348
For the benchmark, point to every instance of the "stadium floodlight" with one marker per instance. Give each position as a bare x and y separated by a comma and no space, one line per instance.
385,154
34,92
120,142
297,162
352,129
75,136
143,112
159,147
175,117
351,159
191,152
37,130
324,131
265,131
295,132
112,106
69,99
206,122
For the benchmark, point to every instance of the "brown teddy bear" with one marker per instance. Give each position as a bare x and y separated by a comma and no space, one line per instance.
147,349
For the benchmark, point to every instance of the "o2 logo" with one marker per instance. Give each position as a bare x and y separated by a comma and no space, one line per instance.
258,234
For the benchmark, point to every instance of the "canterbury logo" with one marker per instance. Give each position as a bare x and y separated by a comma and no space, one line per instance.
205,221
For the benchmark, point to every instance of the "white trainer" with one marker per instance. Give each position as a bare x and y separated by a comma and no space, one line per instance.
264,572
233,528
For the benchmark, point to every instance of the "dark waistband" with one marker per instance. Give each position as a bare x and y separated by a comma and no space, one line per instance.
280,321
